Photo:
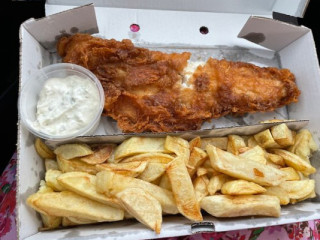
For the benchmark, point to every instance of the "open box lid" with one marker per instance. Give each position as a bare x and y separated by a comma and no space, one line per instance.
294,8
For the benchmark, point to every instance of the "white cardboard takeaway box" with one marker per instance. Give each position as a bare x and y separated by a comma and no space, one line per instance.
174,26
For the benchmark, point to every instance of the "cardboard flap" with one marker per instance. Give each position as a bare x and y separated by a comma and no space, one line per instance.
49,29
271,33
289,7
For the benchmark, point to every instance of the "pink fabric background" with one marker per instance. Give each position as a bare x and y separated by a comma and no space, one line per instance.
302,230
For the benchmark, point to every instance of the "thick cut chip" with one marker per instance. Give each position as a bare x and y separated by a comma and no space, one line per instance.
235,142
51,179
182,189
219,142
200,185
75,165
43,150
131,169
51,164
84,184
252,142
265,139
153,171
179,146
304,144
195,142
294,161
137,145
216,182
256,154
298,189
69,204
311,195
165,182
245,169
111,183
141,205
276,159
280,193
282,135
101,153
150,157
292,174
241,187
49,222
73,150
237,206
197,158
201,171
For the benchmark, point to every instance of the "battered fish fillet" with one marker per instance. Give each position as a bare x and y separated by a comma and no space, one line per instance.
145,90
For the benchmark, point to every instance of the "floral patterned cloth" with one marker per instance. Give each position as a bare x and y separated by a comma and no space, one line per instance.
309,230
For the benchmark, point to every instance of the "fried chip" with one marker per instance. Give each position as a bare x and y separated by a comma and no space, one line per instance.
182,189
75,165
245,169
68,204
245,205
101,153
153,171
294,161
137,145
43,150
150,157
51,180
142,206
84,184
130,169
73,150
241,187
111,183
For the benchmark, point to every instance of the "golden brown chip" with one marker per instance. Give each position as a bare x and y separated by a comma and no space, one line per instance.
219,142
84,184
197,158
179,146
131,169
294,161
143,206
68,204
183,190
150,157
241,187
282,135
245,169
235,142
138,145
256,154
100,154
73,150
280,193
111,183
43,150
298,189
292,174
245,205
51,180
75,165
265,139
200,185
196,142
216,182
153,171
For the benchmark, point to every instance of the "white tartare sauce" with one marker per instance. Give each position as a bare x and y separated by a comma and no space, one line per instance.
66,105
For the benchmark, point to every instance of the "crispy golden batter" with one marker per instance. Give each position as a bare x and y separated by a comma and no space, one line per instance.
143,88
